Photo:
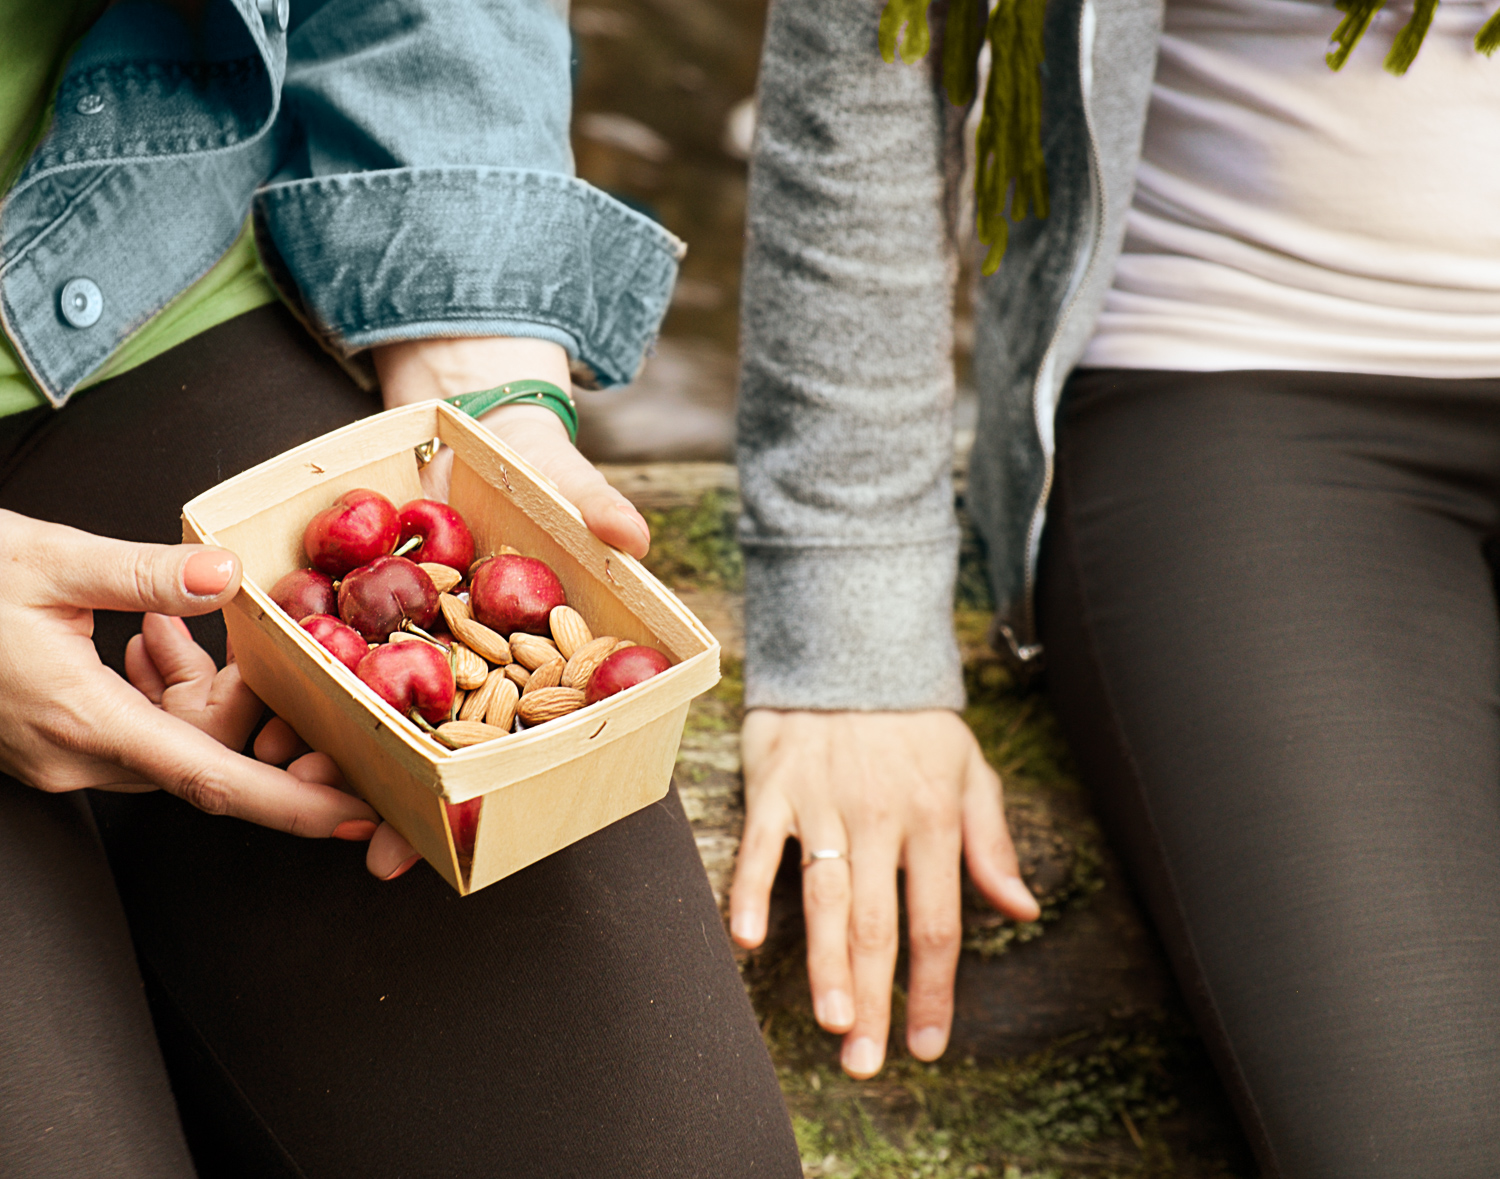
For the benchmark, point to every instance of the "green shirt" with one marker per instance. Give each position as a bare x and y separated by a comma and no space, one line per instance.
34,38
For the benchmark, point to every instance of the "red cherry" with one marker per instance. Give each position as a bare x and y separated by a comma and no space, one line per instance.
463,821
511,592
377,598
343,642
624,669
410,676
306,591
360,526
446,539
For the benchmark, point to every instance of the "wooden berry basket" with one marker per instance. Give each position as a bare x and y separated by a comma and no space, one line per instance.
543,788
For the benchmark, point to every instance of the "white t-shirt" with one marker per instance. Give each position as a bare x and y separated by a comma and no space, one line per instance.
1289,217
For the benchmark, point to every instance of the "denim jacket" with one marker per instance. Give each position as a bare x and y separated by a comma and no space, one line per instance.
847,388
407,163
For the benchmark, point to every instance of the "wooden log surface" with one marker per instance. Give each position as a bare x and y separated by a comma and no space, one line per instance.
1078,1008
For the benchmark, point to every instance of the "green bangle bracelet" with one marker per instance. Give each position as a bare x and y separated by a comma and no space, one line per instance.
543,393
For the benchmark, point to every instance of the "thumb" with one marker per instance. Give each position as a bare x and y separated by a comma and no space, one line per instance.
77,568
540,438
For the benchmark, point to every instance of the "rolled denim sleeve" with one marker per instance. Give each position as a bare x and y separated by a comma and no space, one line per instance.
427,187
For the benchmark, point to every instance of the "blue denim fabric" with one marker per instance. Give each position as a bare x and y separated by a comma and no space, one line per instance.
408,164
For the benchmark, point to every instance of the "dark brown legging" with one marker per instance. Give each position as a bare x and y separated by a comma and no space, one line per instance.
1269,608
583,1017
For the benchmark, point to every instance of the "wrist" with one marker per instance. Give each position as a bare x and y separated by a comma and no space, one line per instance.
422,370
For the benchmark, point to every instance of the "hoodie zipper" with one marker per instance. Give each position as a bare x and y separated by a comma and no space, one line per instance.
1045,390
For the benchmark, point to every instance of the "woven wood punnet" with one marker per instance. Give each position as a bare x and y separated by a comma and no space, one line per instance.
544,788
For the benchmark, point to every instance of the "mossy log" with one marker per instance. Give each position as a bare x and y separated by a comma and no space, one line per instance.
1071,1054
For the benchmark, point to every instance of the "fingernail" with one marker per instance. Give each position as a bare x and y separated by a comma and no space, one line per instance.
744,927
862,1058
927,1043
405,864
637,521
354,830
1018,894
835,1010
207,573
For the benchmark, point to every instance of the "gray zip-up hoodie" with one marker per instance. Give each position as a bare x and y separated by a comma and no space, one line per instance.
846,392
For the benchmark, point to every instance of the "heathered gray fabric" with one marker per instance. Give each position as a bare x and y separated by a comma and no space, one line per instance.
845,421
846,396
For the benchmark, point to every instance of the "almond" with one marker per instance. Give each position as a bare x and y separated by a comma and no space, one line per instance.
444,577
549,675
479,698
582,662
502,707
452,608
548,704
459,700
401,636
459,734
506,551
531,651
622,644
569,630
480,639
469,670
517,674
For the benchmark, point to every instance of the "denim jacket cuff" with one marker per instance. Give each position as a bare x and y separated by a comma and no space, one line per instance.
371,257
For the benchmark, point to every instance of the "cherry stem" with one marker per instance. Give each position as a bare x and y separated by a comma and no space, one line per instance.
412,628
411,542
423,724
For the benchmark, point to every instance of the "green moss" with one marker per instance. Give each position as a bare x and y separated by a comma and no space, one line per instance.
695,546
1092,1107
722,707
1015,727
1085,878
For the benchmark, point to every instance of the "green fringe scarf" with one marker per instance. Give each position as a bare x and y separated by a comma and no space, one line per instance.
1010,176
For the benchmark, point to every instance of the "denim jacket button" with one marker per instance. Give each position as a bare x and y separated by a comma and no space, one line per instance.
82,302
90,104
276,13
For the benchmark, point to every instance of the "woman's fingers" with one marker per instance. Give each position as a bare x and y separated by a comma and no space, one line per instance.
389,855
278,743
74,568
873,943
539,436
125,730
827,895
141,672
183,664
317,767
988,850
755,868
233,710
934,932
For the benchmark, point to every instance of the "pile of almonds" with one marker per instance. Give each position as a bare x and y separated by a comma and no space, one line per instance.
528,676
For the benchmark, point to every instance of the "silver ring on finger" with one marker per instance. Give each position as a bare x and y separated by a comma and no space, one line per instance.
827,853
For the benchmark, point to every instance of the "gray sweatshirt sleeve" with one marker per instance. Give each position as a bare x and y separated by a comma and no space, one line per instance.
846,391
